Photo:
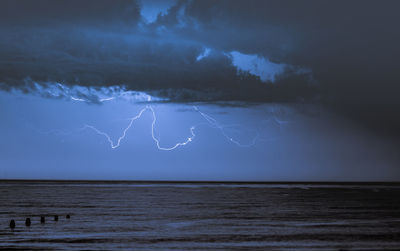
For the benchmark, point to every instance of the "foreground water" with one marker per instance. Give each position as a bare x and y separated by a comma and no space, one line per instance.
107,215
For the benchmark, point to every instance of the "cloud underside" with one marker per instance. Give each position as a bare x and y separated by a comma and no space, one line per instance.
50,42
171,68
199,50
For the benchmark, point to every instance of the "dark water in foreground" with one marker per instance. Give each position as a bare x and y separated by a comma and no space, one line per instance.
200,216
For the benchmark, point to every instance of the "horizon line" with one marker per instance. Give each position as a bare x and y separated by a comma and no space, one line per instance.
200,181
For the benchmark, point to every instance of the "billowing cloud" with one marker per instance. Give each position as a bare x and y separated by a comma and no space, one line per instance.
87,94
344,54
258,66
47,44
204,54
151,9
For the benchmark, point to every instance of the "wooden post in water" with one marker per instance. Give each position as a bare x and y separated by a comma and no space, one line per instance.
28,222
12,224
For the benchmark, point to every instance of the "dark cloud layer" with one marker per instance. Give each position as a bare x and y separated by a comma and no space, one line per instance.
350,48
103,43
55,12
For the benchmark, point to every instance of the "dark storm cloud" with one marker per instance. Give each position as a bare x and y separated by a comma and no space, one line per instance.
346,43
350,47
99,43
51,12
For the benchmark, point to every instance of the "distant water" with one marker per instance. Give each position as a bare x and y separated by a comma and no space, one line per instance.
107,215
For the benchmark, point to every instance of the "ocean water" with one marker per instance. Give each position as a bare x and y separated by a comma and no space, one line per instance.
200,216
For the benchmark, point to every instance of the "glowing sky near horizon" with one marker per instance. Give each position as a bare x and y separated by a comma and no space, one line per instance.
43,138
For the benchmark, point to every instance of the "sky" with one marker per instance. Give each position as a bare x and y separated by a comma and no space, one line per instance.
200,90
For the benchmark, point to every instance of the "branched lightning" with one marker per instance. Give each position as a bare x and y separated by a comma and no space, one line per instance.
214,124
156,140
89,95
113,146
210,121
189,139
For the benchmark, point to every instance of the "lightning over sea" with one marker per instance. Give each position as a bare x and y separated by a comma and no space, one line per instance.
123,140
93,96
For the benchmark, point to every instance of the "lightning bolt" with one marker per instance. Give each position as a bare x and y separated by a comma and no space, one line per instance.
214,124
189,139
113,146
85,95
210,121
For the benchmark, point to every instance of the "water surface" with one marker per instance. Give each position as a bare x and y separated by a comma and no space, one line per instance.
140,215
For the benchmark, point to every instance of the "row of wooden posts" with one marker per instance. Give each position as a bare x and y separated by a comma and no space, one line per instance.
42,220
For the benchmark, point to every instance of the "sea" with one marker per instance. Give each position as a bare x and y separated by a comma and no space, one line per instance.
199,216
